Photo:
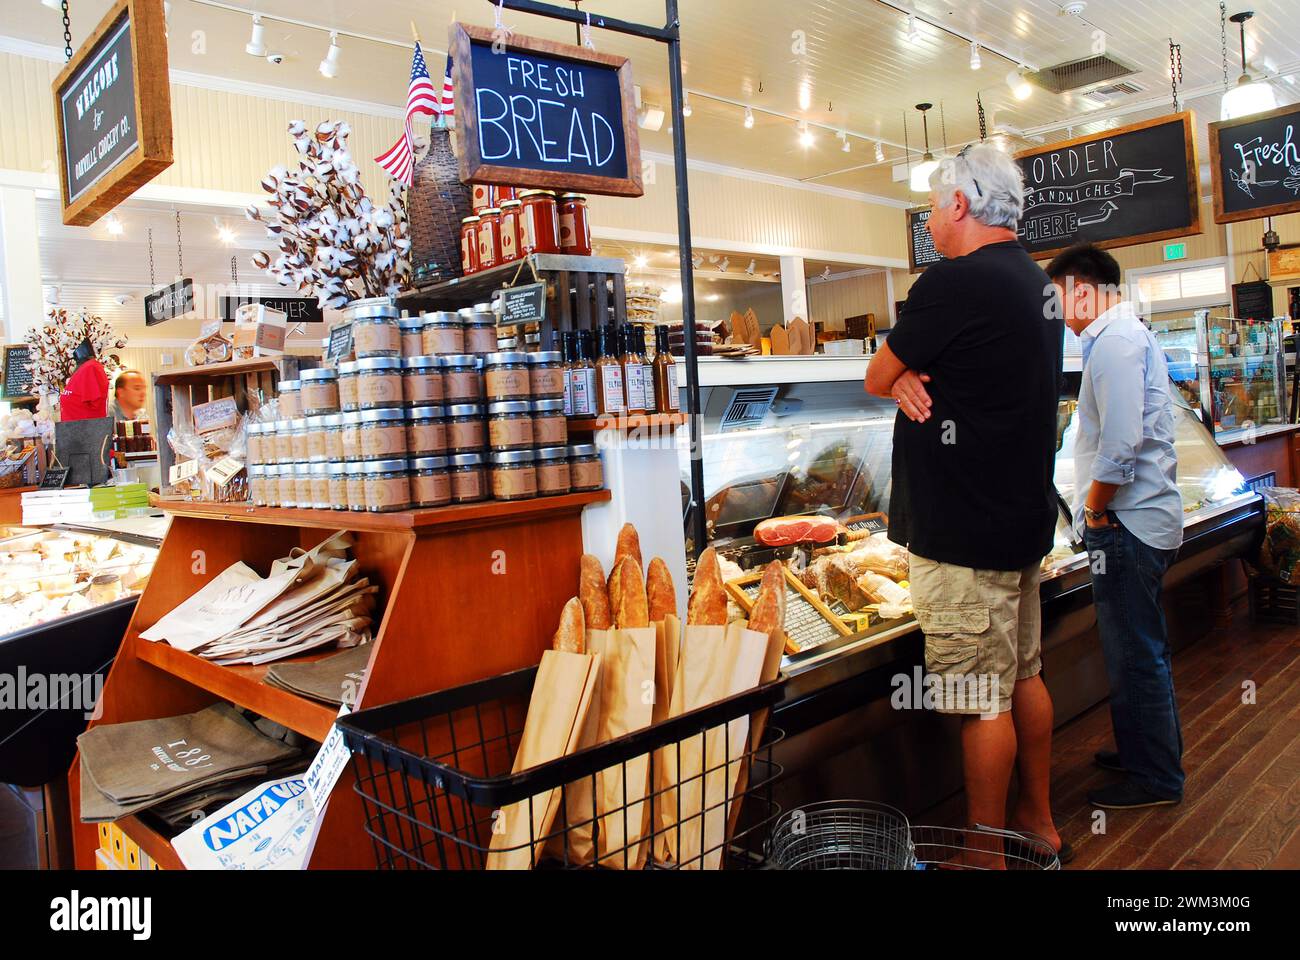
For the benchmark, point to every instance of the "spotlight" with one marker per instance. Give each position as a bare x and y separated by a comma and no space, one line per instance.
913,32
726,262
225,234
749,270
640,261
974,55
329,67
1020,88
805,135
256,46
880,152
749,119
686,103
113,225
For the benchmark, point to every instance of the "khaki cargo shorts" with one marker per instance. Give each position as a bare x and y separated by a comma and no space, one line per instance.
982,632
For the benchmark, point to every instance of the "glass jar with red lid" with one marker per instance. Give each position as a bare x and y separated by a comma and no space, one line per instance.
539,229
489,238
575,231
469,245
510,230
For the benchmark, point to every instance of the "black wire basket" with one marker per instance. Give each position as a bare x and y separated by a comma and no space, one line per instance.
435,774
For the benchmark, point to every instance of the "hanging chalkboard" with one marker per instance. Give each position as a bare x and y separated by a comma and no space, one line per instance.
1255,165
169,302
1128,185
340,343
295,309
1252,300
537,113
524,304
920,245
112,111
17,371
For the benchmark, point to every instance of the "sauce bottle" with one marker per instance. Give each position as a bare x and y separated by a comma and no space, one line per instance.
582,375
566,364
609,373
668,399
633,364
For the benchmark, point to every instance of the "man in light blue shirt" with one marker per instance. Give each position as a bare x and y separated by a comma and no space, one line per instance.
1130,516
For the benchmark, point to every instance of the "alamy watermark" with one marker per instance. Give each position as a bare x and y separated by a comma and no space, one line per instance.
51,691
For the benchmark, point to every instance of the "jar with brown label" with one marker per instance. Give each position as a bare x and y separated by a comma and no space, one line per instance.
505,376
256,450
387,485
257,484
546,375
334,437
430,482
481,333
281,443
550,426
289,399
302,485
514,475
422,380
376,336
383,434
462,378
585,471
510,425
348,386
443,333
350,434
320,486
337,473
356,485
426,432
468,479
316,439
412,331
552,471
298,439
271,484
466,430
379,383
319,391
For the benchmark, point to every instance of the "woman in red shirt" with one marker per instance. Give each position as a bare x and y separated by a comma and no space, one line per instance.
86,395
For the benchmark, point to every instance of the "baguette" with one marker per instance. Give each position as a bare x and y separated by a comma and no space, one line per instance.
628,545
592,593
708,602
768,613
571,637
627,598
660,592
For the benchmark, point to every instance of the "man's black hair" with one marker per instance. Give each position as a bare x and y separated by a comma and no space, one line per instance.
1086,263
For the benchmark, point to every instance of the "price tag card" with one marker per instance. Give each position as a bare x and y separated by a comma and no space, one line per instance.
223,470
182,471
329,764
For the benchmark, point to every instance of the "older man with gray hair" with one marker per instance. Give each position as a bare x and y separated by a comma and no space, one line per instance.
974,362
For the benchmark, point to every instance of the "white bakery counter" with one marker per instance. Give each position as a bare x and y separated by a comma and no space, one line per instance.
757,371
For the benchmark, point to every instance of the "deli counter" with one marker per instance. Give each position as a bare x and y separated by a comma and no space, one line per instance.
824,447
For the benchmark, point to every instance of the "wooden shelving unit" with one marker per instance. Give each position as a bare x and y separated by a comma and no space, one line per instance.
467,592
650,422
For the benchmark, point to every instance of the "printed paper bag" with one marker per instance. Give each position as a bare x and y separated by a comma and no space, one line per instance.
557,713
627,686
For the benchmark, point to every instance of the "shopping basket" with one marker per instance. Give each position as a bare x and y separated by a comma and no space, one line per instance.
864,835
434,774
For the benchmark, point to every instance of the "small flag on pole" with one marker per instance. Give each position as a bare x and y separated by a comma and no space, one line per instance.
448,92
421,98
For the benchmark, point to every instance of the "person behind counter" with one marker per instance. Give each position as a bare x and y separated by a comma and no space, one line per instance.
85,396
975,363
1130,515
129,394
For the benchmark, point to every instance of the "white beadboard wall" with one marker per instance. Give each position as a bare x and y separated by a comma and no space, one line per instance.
832,301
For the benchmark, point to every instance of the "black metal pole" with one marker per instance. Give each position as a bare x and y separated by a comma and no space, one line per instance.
684,250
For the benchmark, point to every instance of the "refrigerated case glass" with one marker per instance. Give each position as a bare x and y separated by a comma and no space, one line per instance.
1247,381
1178,338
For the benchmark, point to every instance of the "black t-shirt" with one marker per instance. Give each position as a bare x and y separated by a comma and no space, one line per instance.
973,484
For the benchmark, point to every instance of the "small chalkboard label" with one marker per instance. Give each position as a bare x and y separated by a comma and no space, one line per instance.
340,345
872,525
17,371
170,302
920,245
55,478
526,304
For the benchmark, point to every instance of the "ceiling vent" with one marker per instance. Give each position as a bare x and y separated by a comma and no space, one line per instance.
1108,94
1080,75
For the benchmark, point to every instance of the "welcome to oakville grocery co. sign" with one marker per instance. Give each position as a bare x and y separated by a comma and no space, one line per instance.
112,107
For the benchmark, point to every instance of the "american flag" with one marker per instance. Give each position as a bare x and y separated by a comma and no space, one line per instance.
421,98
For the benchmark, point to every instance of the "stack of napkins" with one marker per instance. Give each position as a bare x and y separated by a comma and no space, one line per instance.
129,767
310,600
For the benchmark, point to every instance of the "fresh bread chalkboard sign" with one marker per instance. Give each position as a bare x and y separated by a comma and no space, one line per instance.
1255,164
537,113
1129,185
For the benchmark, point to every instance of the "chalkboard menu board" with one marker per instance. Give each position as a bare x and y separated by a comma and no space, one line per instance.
112,107
17,371
172,301
1128,185
295,309
1255,165
1252,300
920,245
538,113
524,304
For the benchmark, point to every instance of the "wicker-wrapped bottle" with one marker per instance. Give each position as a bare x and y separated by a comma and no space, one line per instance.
436,203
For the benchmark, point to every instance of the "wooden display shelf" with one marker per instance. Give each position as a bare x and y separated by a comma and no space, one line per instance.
152,842
245,686
460,514
644,421
480,286
205,373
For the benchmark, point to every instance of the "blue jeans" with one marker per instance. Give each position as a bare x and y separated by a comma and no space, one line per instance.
1126,586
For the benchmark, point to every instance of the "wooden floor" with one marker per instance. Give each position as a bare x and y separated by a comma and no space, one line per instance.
1241,804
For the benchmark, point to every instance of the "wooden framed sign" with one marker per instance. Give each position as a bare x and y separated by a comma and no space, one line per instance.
1255,165
112,111
920,245
17,371
1129,185
537,113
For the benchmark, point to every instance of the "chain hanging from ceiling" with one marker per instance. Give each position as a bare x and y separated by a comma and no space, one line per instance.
907,148
1175,69
1223,39
234,270
153,282
984,124
943,128
180,260
67,33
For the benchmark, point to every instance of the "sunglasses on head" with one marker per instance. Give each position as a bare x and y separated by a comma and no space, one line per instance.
961,155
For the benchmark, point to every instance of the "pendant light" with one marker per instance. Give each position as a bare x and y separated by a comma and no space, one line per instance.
921,172
1248,96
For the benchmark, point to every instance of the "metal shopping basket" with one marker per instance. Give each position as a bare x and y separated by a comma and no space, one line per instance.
435,775
864,835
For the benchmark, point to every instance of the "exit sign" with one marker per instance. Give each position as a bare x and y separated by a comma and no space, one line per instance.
1175,251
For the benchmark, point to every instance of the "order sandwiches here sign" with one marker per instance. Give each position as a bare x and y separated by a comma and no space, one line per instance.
112,105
